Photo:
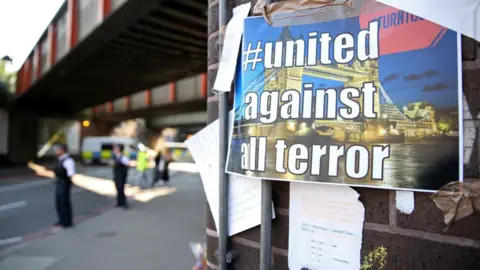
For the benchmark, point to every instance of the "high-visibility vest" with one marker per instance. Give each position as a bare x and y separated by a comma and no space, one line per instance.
141,161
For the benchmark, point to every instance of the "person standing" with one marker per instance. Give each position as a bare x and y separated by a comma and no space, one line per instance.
161,169
120,172
142,162
64,172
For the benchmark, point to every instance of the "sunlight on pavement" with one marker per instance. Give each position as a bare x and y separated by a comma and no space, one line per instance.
183,167
106,187
147,195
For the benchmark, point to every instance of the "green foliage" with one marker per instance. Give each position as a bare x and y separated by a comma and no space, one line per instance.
445,123
376,259
8,78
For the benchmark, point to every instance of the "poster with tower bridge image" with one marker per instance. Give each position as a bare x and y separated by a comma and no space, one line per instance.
349,101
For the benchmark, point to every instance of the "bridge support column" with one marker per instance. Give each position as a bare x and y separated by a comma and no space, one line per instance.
23,135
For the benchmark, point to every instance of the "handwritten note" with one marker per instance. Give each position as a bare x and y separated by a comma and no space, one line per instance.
244,197
325,227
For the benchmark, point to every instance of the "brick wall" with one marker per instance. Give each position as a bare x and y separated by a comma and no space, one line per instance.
415,241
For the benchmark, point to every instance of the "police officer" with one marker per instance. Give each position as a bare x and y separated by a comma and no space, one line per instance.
64,171
120,171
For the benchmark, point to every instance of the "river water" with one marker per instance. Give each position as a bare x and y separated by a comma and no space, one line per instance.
411,165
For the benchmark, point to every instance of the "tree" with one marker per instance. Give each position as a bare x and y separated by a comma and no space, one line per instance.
7,77
7,86
445,123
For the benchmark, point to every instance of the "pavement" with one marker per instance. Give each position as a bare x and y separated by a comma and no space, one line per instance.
153,234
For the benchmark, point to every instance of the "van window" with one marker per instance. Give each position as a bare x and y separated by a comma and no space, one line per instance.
107,147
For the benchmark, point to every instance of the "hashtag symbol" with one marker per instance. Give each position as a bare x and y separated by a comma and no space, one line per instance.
255,58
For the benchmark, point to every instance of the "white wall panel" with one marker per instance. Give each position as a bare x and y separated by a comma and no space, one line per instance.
160,94
88,17
188,89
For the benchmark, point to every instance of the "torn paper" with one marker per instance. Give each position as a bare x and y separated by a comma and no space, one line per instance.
325,227
458,200
295,12
244,198
231,45
405,201
462,15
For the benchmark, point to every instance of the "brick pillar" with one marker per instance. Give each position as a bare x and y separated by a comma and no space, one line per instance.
415,241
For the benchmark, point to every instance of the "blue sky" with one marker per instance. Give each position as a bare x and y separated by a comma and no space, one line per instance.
423,75
21,24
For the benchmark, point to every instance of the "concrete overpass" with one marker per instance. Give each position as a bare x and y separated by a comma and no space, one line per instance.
112,60
96,51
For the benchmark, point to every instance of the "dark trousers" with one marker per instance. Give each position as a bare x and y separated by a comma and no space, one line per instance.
120,180
63,203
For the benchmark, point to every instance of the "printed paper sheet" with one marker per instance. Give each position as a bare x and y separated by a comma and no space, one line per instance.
325,227
244,198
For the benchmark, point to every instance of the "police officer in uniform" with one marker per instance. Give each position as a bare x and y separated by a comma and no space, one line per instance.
64,171
120,171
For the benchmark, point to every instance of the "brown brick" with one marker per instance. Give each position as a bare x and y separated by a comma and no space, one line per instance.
280,262
376,203
212,246
409,253
427,217
281,194
235,3
469,48
213,51
471,89
210,221
212,75
471,169
212,111
213,16
249,258
279,232
213,19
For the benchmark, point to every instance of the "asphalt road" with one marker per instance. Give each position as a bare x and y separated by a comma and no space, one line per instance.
154,234
27,205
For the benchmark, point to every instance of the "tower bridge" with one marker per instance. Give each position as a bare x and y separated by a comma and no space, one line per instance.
354,75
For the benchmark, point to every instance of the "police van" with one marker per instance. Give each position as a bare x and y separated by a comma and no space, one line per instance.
99,150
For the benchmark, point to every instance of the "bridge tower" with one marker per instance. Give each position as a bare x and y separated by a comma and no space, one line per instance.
371,68
286,78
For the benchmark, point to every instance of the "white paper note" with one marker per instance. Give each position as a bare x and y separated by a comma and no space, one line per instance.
231,45
405,201
461,15
244,198
325,227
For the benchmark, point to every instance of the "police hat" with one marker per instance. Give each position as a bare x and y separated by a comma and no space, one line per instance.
120,146
64,147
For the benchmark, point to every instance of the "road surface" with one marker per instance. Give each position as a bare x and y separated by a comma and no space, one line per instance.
27,207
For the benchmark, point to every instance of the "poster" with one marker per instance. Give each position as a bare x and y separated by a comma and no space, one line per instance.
371,100
325,227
